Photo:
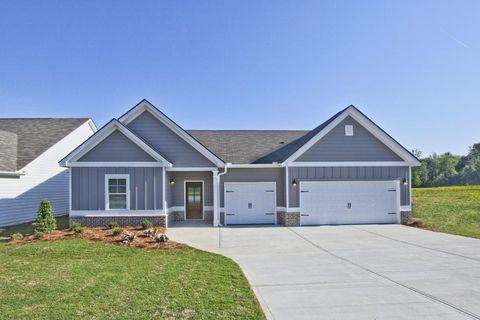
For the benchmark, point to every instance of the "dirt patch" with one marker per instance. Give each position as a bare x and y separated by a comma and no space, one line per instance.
417,223
142,239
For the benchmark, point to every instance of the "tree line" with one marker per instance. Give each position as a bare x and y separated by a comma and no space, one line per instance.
447,169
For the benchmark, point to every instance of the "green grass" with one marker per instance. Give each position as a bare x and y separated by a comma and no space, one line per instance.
83,279
453,210
26,228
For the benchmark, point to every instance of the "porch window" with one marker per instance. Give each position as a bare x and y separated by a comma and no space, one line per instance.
117,193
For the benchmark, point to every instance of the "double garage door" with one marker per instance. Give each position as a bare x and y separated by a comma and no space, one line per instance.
321,202
349,202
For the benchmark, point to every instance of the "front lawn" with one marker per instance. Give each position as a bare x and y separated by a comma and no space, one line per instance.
26,228
449,209
84,279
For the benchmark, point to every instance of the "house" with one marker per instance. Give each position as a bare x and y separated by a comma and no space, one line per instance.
29,172
145,166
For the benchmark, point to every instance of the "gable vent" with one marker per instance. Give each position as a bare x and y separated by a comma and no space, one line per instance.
348,130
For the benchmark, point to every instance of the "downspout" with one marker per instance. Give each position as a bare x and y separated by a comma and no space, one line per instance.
218,189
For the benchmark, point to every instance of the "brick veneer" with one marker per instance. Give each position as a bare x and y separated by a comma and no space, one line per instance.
288,218
121,220
405,216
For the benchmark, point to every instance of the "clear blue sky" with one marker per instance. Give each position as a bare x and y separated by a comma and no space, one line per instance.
412,66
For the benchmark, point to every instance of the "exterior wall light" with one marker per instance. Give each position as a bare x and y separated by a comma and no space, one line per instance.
294,182
172,182
404,181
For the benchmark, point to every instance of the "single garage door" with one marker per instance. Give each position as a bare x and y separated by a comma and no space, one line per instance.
250,202
349,202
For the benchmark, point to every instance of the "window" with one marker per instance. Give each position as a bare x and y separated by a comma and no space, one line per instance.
349,130
117,193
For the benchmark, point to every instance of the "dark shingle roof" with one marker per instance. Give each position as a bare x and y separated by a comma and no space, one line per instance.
245,146
34,136
256,146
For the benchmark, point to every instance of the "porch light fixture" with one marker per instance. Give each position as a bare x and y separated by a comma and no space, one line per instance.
404,181
294,182
172,181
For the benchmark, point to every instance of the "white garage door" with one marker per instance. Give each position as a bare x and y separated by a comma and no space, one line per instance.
250,202
349,202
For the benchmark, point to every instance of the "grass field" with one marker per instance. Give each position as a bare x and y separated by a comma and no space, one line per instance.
83,279
449,209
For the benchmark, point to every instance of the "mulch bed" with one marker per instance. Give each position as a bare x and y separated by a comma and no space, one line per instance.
142,240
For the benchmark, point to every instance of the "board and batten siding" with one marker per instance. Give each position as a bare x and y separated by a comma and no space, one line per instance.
167,142
116,147
336,146
88,187
44,179
348,174
256,175
177,190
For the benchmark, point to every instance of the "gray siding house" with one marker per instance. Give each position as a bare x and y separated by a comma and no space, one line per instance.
145,166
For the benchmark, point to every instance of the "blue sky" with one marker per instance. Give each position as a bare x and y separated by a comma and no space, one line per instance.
411,66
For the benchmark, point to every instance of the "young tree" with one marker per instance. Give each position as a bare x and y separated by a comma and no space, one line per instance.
45,222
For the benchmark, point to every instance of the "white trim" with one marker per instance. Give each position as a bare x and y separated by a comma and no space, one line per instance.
144,105
12,173
287,189
92,125
350,164
105,132
92,164
127,189
182,209
293,209
164,192
246,182
192,169
116,213
410,186
185,199
69,190
405,208
368,125
216,191
255,165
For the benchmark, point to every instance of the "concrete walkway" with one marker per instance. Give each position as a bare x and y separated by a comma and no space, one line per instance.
351,272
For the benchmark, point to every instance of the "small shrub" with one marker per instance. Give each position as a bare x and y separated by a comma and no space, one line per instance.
117,231
16,236
147,224
113,225
161,237
130,237
45,222
76,227
38,235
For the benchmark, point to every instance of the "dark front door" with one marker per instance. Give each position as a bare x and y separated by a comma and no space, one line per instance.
194,200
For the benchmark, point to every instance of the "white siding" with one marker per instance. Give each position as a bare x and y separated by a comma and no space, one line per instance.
44,179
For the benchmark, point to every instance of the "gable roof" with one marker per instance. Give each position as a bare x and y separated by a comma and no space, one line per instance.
145,105
106,131
245,146
33,137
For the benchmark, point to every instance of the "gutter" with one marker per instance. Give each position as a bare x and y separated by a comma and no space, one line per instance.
12,173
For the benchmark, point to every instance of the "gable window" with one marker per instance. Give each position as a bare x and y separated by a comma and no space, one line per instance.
349,130
117,192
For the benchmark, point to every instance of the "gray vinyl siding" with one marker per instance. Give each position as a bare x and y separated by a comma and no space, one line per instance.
176,191
362,146
168,143
348,174
116,147
256,175
88,187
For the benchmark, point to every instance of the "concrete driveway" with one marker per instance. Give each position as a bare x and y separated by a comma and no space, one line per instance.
351,272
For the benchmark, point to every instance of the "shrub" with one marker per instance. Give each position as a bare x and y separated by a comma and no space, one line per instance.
38,235
117,231
130,237
45,222
147,224
16,236
113,225
161,237
76,227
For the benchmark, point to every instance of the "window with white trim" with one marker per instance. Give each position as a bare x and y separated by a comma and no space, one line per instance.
117,192
348,130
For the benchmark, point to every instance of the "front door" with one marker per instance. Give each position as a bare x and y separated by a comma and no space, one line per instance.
194,200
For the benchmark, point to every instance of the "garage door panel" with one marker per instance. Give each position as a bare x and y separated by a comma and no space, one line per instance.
349,202
250,203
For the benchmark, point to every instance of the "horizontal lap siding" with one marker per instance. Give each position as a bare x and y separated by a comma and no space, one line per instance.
88,187
362,146
167,142
116,147
176,191
256,175
348,174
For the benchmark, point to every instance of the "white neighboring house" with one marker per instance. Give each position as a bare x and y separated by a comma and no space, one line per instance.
29,172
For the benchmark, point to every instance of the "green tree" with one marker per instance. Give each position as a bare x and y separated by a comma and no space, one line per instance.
45,222
469,167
